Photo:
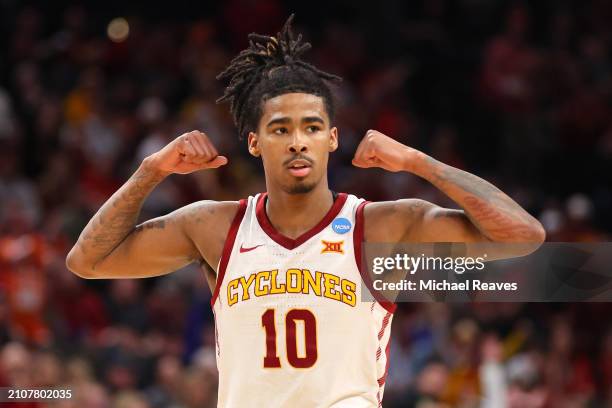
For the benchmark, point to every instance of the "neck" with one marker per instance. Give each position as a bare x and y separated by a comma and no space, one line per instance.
294,214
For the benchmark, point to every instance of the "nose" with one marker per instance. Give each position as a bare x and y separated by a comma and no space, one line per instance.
298,143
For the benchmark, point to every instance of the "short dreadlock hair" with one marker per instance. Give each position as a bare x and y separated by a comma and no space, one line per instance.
269,67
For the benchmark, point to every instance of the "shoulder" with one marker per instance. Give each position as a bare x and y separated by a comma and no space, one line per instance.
208,223
391,221
382,210
211,207
215,216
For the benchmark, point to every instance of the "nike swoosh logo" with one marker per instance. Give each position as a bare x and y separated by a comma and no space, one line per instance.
247,249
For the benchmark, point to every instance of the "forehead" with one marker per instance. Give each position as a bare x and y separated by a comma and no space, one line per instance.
294,106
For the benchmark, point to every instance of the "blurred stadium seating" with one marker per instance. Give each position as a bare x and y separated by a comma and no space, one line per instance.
516,92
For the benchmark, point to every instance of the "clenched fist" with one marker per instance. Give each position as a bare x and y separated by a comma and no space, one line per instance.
379,150
187,153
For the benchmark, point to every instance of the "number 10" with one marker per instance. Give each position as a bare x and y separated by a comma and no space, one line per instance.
271,359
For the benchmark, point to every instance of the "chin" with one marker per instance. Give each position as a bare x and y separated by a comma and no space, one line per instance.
300,188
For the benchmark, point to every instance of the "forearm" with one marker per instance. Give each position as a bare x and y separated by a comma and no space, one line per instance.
115,219
497,216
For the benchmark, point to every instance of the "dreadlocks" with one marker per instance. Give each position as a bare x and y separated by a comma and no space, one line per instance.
269,67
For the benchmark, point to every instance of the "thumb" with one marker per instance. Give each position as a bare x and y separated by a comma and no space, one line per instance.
360,163
217,162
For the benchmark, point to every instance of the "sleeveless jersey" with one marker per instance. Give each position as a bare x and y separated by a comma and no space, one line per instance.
291,329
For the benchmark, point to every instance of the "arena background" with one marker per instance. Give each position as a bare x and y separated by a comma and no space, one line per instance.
516,92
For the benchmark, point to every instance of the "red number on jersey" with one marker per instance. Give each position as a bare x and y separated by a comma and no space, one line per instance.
267,321
271,359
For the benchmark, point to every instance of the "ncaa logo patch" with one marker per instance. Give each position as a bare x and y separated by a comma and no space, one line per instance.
341,225
329,246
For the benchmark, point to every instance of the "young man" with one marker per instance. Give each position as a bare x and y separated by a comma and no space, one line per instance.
292,330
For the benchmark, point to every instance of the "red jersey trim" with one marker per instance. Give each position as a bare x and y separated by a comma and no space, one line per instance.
358,238
382,380
290,243
227,248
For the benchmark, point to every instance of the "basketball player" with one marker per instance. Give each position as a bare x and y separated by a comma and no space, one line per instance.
291,328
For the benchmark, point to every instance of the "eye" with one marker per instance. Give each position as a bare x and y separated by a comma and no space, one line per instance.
280,131
313,129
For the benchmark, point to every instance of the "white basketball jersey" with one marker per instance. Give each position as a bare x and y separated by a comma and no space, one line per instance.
291,328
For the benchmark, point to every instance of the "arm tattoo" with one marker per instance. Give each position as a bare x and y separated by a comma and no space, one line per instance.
159,224
495,214
117,217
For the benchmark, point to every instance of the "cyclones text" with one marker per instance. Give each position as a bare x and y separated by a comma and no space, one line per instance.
296,280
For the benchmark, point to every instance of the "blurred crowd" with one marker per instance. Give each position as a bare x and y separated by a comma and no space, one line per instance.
516,92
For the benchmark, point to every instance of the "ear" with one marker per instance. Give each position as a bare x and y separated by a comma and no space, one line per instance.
253,146
333,139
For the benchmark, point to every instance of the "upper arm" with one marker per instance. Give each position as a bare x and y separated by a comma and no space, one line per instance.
415,220
170,242
419,221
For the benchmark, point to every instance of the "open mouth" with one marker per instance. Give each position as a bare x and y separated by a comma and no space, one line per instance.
299,168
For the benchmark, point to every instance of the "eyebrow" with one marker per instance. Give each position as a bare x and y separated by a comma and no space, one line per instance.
310,119
285,120
279,121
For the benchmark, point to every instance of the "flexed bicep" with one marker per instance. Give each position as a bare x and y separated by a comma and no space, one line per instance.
415,221
194,233
154,247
